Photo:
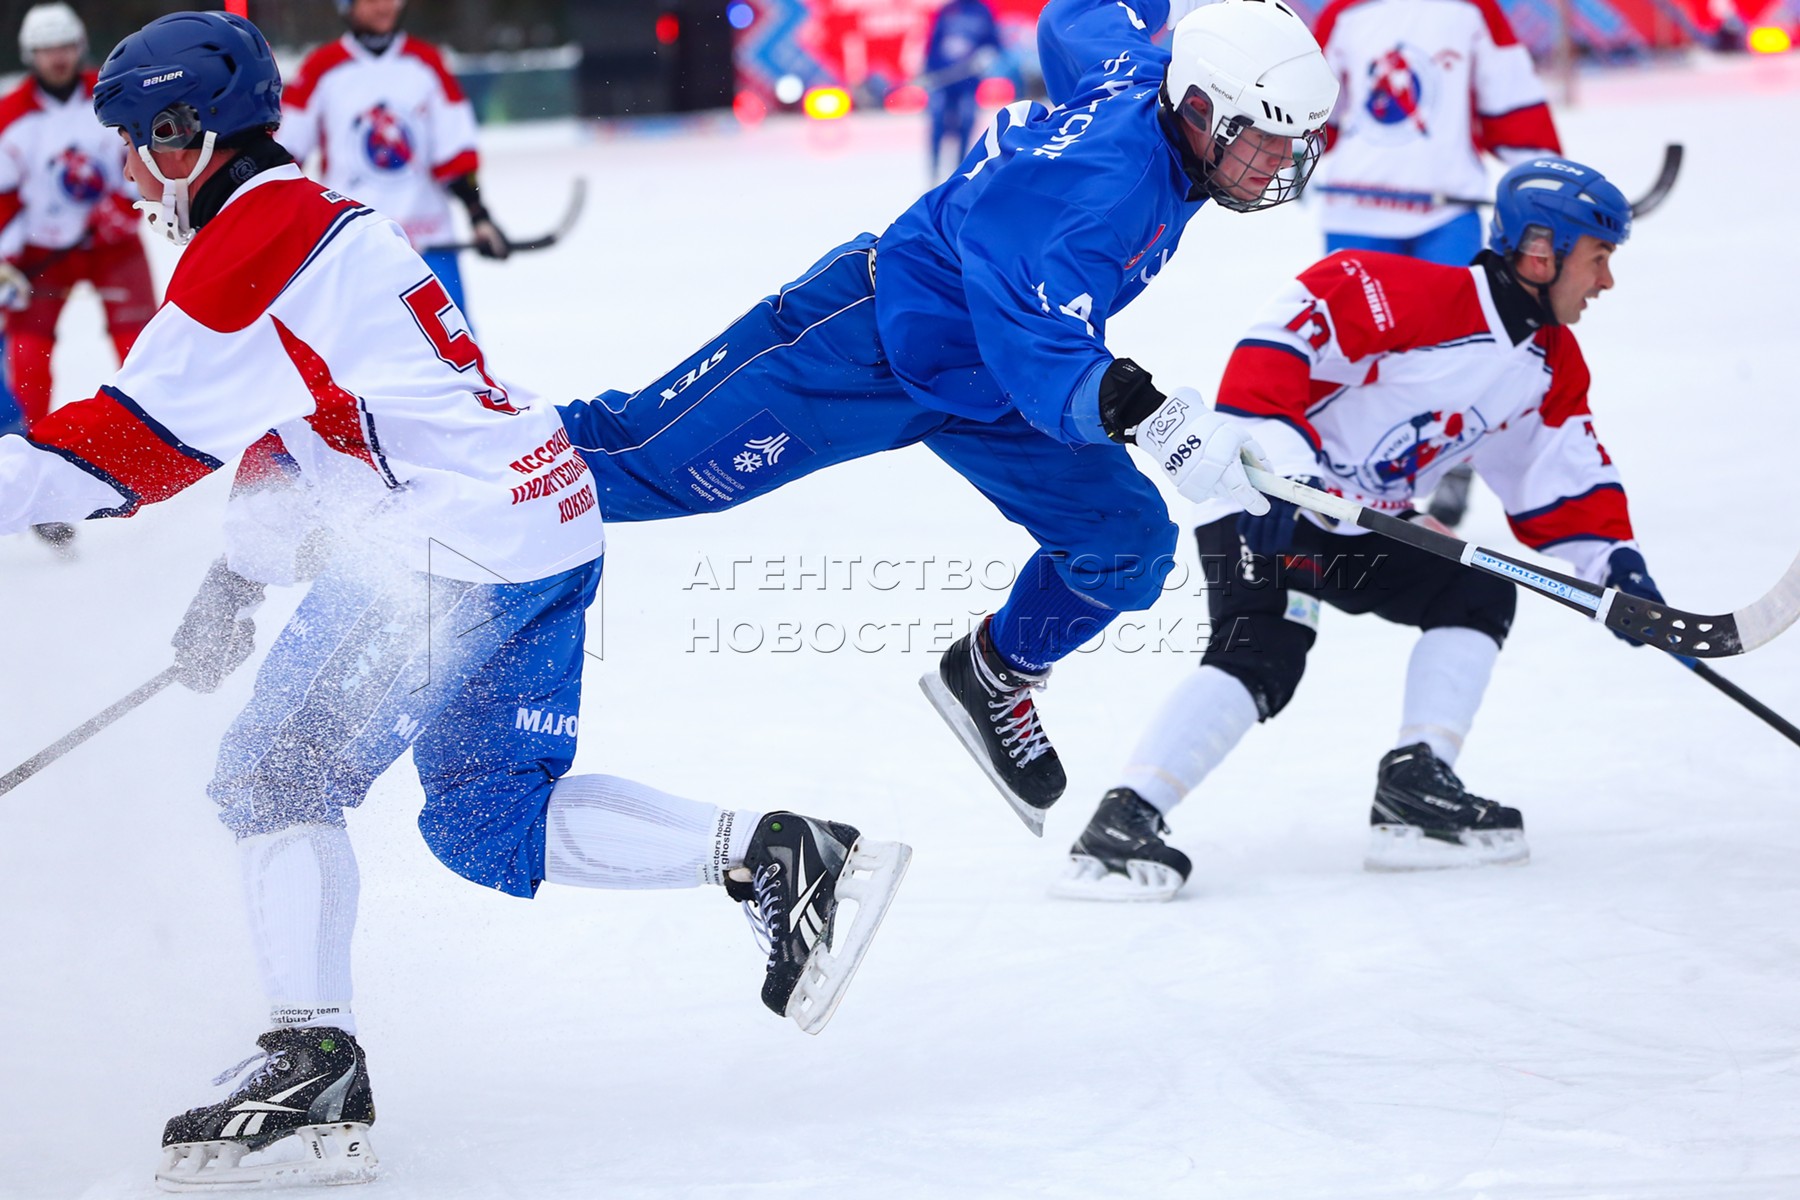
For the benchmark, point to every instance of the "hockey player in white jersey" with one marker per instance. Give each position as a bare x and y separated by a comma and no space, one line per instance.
386,429
392,127
1370,376
1429,86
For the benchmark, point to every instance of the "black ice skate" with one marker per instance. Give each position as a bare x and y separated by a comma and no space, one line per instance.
1450,499
298,1113
795,878
988,704
1424,819
1121,854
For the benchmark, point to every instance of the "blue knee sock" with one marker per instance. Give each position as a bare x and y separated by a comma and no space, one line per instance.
1044,619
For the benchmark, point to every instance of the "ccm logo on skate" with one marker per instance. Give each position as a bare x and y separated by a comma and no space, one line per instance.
681,385
541,720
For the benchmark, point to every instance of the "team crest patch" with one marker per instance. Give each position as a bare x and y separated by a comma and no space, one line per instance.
757,455
1413,446
386,140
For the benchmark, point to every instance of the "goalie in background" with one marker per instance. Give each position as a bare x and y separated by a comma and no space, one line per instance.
1371,376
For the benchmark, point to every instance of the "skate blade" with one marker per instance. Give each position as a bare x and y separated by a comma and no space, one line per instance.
872,875
963,726
310,1156
1406,848
1087,878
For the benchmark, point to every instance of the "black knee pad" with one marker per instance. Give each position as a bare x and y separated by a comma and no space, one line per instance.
1475,600
1265,652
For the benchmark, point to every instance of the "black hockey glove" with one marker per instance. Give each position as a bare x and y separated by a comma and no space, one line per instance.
1625,570
489,241
1127,398
217,634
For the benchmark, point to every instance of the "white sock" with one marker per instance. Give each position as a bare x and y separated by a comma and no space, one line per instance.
1445,679
1197,726
301,886
607,832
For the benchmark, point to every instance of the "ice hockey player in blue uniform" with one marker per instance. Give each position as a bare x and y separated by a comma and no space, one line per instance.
976,324
964,42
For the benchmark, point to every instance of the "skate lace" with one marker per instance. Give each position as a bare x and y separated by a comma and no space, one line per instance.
264,1069
1013,714
765,912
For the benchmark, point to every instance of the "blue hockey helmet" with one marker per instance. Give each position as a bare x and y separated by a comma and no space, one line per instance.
189,74
1561,197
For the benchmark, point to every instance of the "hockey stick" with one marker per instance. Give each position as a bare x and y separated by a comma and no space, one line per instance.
1643,206
83,732
577,198
1664,626
1769,716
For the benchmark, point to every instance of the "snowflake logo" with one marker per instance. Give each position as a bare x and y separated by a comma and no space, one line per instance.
747,462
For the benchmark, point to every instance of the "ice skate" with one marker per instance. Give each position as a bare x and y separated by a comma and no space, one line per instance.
1424,820
59,536
1450,499
296,1114
988,704
1121,855
795,878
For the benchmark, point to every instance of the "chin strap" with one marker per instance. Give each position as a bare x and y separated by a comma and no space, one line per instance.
169,216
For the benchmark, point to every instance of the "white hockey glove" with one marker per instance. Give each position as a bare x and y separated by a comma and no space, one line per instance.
217,634
15,289
1203,452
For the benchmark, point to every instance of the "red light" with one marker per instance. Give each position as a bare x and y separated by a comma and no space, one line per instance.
749,108
996,92
668,28
907,98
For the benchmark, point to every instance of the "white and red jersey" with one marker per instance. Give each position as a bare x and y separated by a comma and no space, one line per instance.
301,311
1427,86
1378,373
57,164
391,129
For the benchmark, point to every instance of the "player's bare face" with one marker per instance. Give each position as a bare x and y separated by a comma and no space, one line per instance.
1586,272
375,16
148,185
56,65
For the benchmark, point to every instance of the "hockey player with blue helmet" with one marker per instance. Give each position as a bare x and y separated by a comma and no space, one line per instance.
192,81
304,338
1477,368
976,324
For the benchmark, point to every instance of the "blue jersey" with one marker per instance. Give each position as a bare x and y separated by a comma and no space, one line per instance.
993,290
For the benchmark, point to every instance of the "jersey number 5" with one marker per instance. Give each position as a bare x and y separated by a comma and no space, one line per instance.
428,302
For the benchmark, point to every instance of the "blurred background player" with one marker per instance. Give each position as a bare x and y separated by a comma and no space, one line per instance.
1428,86
964,42
1304,381
393,129
67,215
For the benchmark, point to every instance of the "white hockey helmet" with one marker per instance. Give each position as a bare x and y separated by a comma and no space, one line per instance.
47,25
1256,65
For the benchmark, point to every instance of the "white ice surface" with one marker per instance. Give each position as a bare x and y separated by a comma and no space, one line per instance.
1618,1019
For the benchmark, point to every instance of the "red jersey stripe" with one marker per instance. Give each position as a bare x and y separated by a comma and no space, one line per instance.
112,438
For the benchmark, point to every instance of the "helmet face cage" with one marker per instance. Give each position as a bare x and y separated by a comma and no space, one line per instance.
1249,168
1254,169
